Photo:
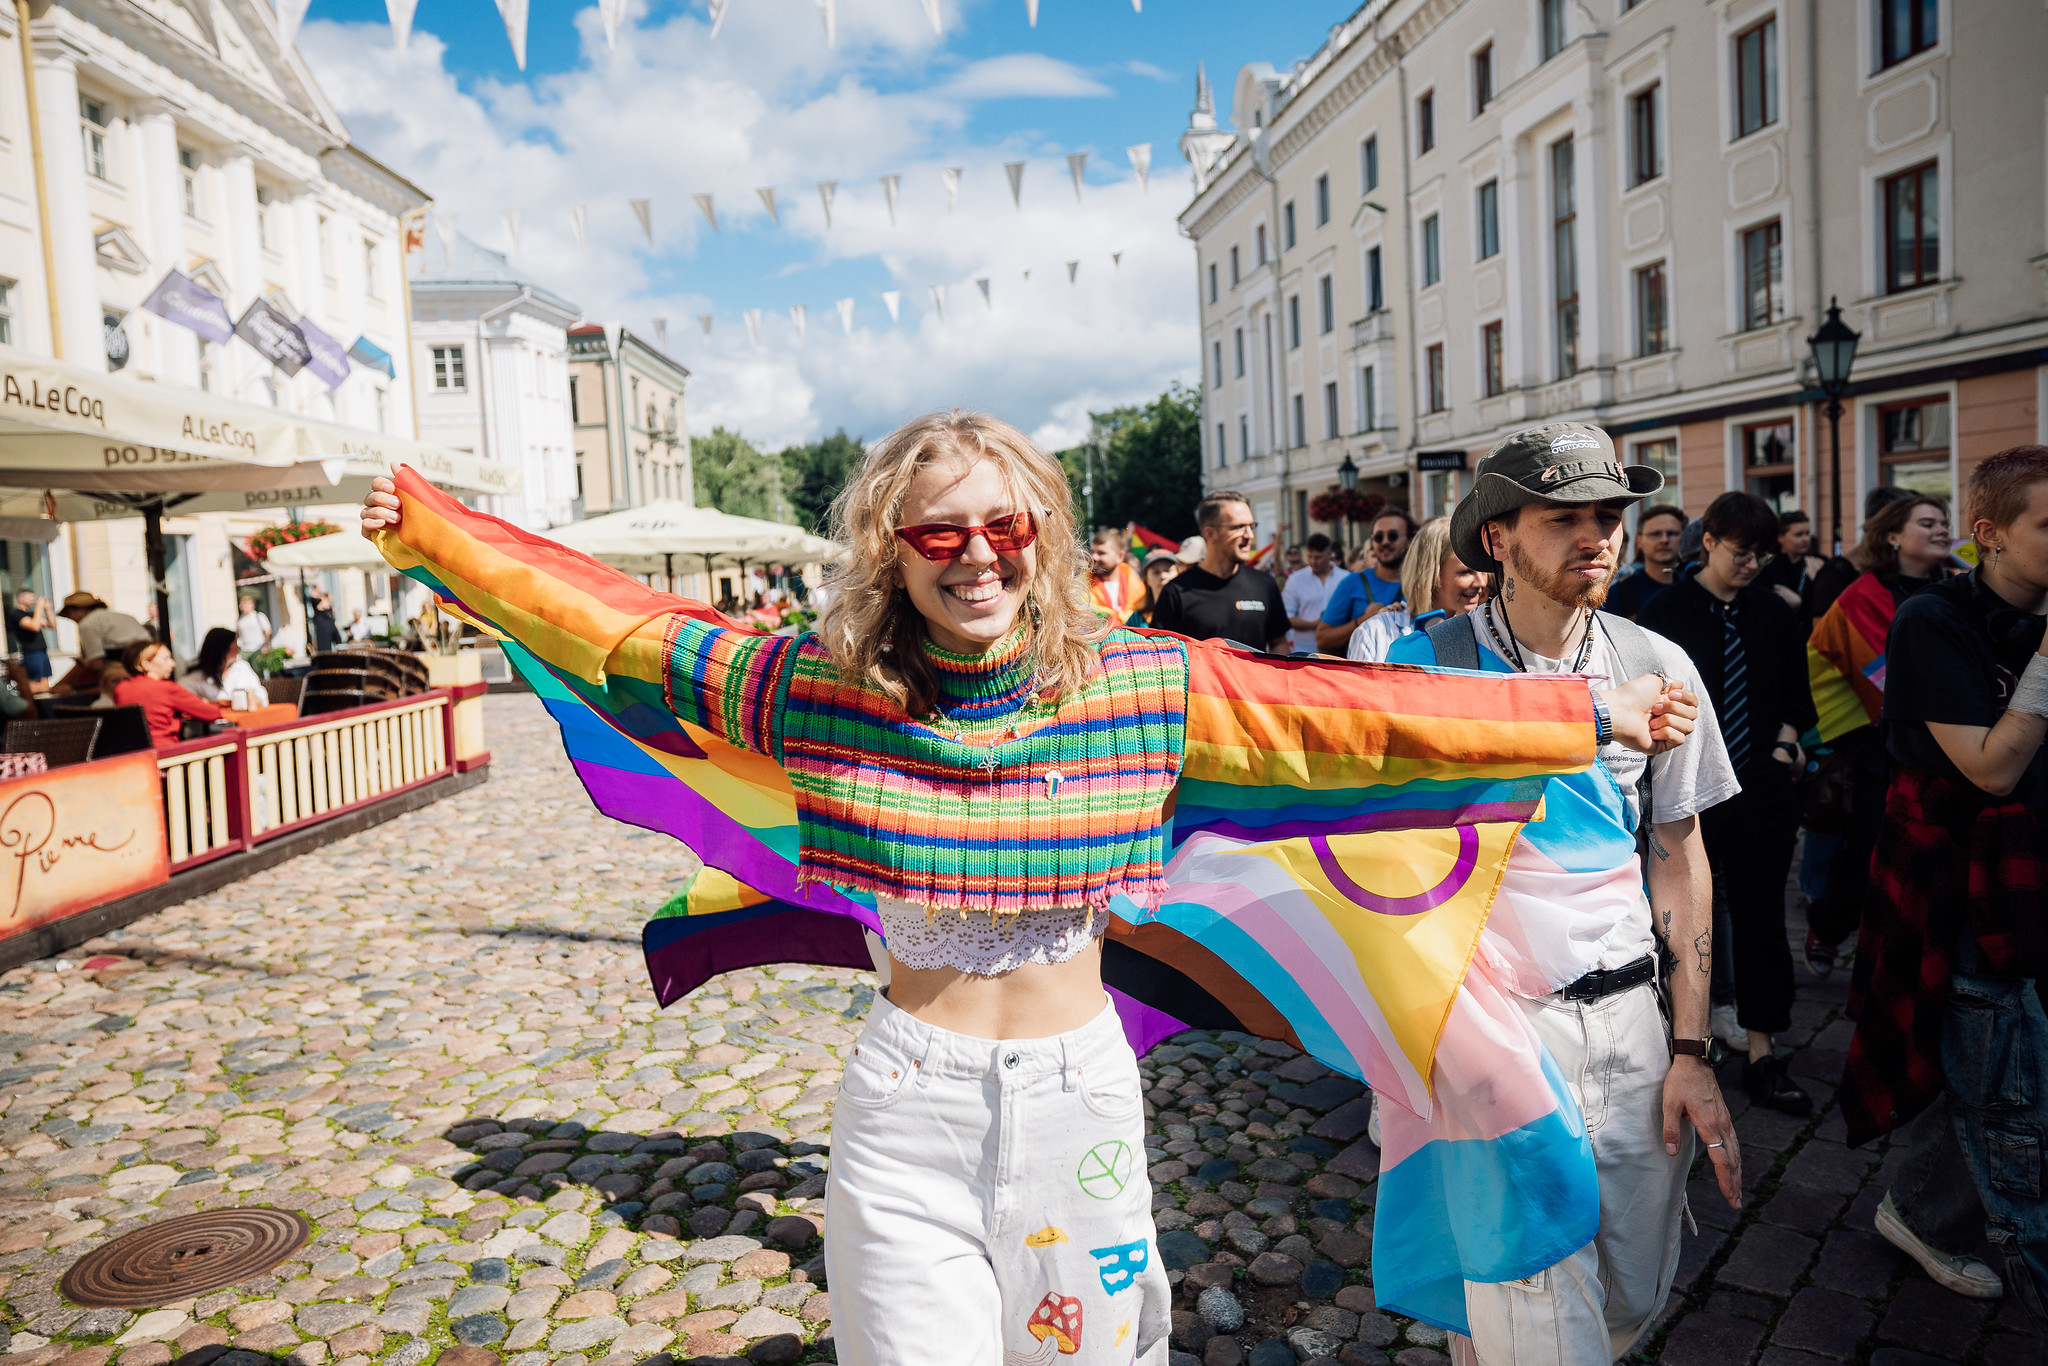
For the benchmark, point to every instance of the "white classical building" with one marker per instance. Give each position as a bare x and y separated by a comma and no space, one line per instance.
184,135
492,354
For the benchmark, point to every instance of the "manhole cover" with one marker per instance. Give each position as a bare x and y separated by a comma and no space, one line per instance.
179,1258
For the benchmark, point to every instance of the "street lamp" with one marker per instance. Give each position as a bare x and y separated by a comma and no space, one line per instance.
1347,479
1834,351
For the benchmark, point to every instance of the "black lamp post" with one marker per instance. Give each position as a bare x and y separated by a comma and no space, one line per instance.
1347,479
1834,351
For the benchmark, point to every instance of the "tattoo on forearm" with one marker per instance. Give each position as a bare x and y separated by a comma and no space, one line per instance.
1703,946
1657,846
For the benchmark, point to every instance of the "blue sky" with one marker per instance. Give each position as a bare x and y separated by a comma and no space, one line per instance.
673,113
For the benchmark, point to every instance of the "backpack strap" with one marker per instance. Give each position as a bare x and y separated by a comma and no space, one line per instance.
1456,642
1638,652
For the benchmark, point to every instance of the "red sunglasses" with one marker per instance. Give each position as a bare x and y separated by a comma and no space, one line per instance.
945,541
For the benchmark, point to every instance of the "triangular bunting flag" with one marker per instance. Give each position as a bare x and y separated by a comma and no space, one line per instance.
613,12
710,214
1027,274
661,333
511,219
1015,170
718,8
644,211
846,315
444,228
894,298
1077,162
289,14
705,319
1116,259
1031,12
931,12
753,317
514,14
796,315
938,293
400,14
1141,163
826,189
951,175
768,198
579,223
982,282
889,184
828,10
1073,269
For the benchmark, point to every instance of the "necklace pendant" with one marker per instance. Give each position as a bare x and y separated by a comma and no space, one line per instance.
1053,779
989,763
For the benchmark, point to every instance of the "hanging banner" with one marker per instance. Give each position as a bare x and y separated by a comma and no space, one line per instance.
1076,163
894,298
1015,170
705,320
579,223
938,293
931,12
768,198
846,315
718,8
290,13
704,203
324,355
371,356
826,189
796,315
1141,163
951,175
981,281
644,211
274,337
613,12
444,228
514,14
889,184
190,304
399,12
753,317
511,218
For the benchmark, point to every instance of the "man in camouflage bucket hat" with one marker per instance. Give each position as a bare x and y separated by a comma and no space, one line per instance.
1544,518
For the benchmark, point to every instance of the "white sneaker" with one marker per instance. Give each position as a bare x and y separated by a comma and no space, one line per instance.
1722,1024
1372,1123
1964,1275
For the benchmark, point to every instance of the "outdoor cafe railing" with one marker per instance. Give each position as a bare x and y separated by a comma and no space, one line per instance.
226,793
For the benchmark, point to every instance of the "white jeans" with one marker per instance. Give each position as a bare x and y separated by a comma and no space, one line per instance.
988,1204
1592,1306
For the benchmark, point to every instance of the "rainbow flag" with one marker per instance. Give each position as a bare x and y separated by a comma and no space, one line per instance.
1845,658
1144,541
1342,835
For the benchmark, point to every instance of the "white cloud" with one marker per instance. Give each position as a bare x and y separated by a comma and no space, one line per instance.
673,113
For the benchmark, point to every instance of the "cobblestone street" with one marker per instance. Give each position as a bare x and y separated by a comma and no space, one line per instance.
435,1040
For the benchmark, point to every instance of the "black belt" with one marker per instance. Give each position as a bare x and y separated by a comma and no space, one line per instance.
1607,981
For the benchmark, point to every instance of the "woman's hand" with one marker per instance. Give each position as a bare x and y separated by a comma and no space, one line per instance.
380,507
1650,714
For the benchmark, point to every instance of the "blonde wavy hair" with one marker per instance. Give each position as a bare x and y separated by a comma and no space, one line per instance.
1428,553
868,624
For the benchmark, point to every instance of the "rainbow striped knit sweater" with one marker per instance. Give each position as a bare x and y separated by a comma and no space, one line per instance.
1004,802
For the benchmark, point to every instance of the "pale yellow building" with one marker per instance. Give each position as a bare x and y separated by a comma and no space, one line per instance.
626,408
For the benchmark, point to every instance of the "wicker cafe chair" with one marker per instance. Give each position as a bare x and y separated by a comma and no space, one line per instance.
378,687
67,740
285,688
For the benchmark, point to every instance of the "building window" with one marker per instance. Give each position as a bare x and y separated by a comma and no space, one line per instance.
1293,322
1490,354
188,180
1912,446
1236,273
1215,348
1488,208
1763,276
373,278
1375,284
383,402
1906,27
1300,414
263,202
1645,158
326,249
1369,165
1432,252
1287,238
1550,18
1912,228
1425,122
207,351
1244,438
1330,427
1322,199
93,127
1756,78
6,312
1212,282
1326,305
1482,79
1767,463
576,409
1662,456
1259,245
1433,362
1222,448
1440,492
1564,257
1237,339
1653,316
448,369
1368,401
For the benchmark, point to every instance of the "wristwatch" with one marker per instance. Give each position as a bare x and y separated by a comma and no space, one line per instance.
1691,1048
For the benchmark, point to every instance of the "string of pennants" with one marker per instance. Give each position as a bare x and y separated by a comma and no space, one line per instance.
292,13
513,220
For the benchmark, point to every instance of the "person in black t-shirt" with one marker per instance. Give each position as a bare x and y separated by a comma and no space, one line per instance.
26,622
1658,529
1223,597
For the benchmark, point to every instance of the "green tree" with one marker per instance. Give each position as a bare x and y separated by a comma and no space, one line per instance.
1147,464
813,474
730,474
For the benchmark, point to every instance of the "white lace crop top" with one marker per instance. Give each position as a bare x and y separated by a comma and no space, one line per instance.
984,945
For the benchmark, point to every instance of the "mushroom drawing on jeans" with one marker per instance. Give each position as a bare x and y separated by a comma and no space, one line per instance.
1056,1323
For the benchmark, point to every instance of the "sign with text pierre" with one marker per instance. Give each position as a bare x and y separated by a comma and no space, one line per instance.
78,837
